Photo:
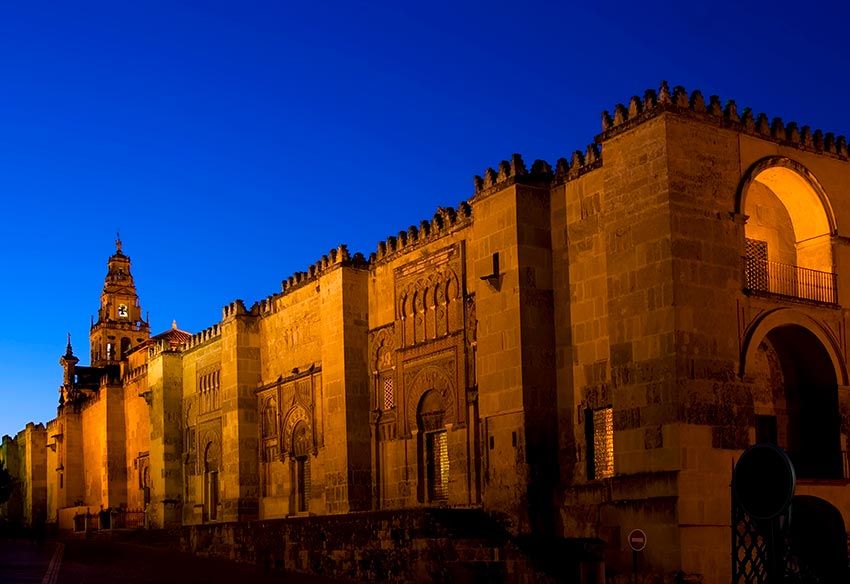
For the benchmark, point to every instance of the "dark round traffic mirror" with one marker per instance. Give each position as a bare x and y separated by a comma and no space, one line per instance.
764,481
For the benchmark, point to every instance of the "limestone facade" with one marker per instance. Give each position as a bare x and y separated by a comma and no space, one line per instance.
582,350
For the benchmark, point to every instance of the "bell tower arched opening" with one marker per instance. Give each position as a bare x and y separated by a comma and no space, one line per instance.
788,229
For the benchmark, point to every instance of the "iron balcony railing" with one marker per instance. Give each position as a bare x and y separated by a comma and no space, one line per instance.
766,277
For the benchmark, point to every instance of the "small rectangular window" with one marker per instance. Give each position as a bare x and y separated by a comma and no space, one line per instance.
389,399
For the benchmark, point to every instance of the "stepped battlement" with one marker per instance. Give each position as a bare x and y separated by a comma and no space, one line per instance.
336,257
679,100
197,339
444,221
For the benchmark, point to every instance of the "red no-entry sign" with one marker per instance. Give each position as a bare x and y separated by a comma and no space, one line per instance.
637,540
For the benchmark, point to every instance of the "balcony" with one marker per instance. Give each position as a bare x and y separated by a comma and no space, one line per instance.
766,278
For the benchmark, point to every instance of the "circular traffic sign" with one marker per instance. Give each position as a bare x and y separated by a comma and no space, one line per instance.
637,540
764,481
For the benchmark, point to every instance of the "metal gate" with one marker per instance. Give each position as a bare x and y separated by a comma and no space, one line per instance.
763,552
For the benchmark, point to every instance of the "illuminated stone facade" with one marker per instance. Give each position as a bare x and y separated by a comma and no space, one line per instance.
581,351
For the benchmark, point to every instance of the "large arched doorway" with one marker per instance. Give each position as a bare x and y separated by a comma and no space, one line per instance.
817,541
789,224
795,400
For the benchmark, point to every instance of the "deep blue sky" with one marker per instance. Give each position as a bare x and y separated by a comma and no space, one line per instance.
235,143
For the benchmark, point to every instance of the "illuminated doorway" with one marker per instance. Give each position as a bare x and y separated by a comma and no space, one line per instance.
433,449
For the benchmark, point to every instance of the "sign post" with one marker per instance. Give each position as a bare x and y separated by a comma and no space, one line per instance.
637,541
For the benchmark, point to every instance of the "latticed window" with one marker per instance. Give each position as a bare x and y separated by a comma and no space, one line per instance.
303,483
756,264
437,454
434,464
599,433
389,398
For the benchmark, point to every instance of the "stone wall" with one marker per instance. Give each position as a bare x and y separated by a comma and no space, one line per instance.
136,430
415,545
200,421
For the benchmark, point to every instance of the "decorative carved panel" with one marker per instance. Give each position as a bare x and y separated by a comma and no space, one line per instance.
438,372
293,417
429,294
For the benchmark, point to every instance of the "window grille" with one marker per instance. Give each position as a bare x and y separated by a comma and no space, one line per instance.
599,433
757,272
389,400
303,483
437,453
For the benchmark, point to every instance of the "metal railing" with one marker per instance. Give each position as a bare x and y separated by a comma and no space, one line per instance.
764,276
109,519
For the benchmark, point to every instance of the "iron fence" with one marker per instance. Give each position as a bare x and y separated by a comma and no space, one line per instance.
110,519
133,518
764,276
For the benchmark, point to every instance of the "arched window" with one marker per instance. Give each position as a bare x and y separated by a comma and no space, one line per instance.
146,484
433,449
270,419
125,348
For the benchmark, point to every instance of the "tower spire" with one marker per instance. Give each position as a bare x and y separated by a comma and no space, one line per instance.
119,326
69,352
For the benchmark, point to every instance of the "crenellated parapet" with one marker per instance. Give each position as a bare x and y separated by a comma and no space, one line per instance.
511,172
578,164
235,308
446,220
136,373
337,257
726,115
198,339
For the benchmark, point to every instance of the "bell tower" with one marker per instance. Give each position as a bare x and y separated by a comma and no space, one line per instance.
119,326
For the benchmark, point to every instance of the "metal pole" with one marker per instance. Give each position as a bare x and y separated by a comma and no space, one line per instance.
634,566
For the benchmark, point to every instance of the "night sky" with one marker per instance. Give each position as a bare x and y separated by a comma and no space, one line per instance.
233,144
